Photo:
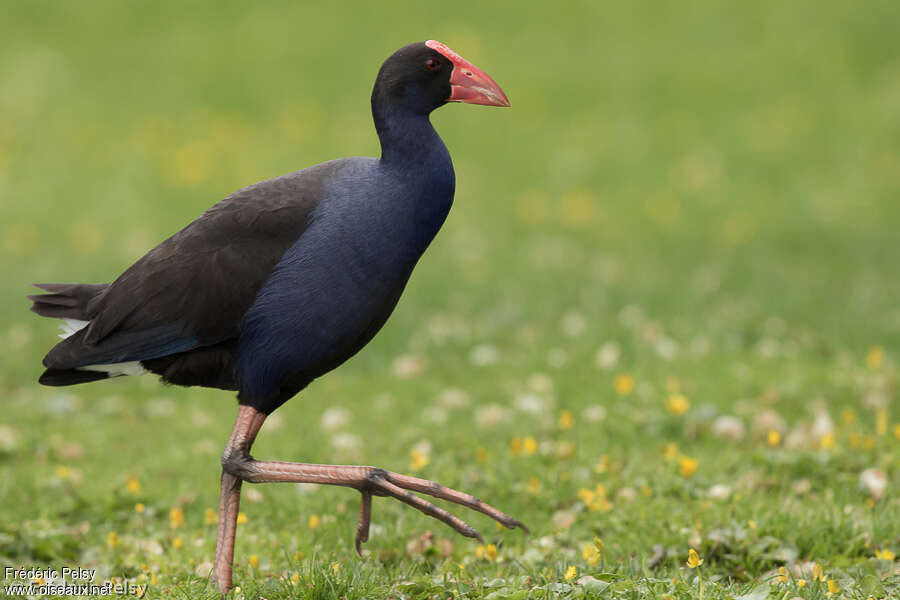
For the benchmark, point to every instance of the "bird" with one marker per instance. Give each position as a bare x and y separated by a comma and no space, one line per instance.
283,281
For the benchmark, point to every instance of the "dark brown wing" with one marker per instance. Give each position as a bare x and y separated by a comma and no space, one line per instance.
193,289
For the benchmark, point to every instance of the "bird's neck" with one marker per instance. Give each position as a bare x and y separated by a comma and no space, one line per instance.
408,139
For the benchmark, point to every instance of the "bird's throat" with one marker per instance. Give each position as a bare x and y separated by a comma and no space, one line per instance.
407,138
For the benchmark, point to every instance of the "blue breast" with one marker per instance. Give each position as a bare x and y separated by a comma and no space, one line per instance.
337,285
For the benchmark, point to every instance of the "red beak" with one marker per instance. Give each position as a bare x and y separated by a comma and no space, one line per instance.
468,83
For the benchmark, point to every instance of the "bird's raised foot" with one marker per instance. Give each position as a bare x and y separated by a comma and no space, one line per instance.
239,466
379,482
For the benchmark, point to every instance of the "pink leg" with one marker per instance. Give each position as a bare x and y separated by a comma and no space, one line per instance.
242,435
229,505
369,481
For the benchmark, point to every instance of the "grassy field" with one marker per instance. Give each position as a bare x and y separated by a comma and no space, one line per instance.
664,313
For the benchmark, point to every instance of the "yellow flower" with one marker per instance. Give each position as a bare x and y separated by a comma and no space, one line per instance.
525,446
773,438
590,554
827,441
112,539
177,543
577,208
586,496
534,486
623,384
242,518
313,521
295,577
566,419
782,575
298,555
139,508
571,572
646,491
418,460
670,451
133,485
694,559
254,561
897,431
677,404
687,466
481,454
833,587
595,499
602,465
848,417
488,552
881,422
801,583
210,517
874,357
176,518
529,445
599,545
751,524
601,504
885,554
818,573
62,471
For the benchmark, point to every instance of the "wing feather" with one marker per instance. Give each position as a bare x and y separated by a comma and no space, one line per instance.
193,289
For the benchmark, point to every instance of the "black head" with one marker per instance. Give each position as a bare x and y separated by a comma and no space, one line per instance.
415,78
421,77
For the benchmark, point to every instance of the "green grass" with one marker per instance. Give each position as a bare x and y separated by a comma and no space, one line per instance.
711,189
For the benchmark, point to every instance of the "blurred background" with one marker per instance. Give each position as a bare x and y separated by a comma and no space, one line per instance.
707,191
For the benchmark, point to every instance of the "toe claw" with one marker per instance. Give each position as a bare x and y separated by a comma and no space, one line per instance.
514,523
379,482
365,517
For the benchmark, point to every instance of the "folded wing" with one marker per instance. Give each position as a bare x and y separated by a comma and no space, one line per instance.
192,290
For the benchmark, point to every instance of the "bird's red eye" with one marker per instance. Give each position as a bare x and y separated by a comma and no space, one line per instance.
432,65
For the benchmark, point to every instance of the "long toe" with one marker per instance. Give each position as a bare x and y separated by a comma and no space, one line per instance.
430,509
436,490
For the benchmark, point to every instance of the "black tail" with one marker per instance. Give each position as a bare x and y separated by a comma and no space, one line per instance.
66,300
59,377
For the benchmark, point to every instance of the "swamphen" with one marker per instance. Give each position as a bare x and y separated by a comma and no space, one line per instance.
283,281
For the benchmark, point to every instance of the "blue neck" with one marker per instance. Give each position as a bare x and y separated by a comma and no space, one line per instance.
422,172
408,139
